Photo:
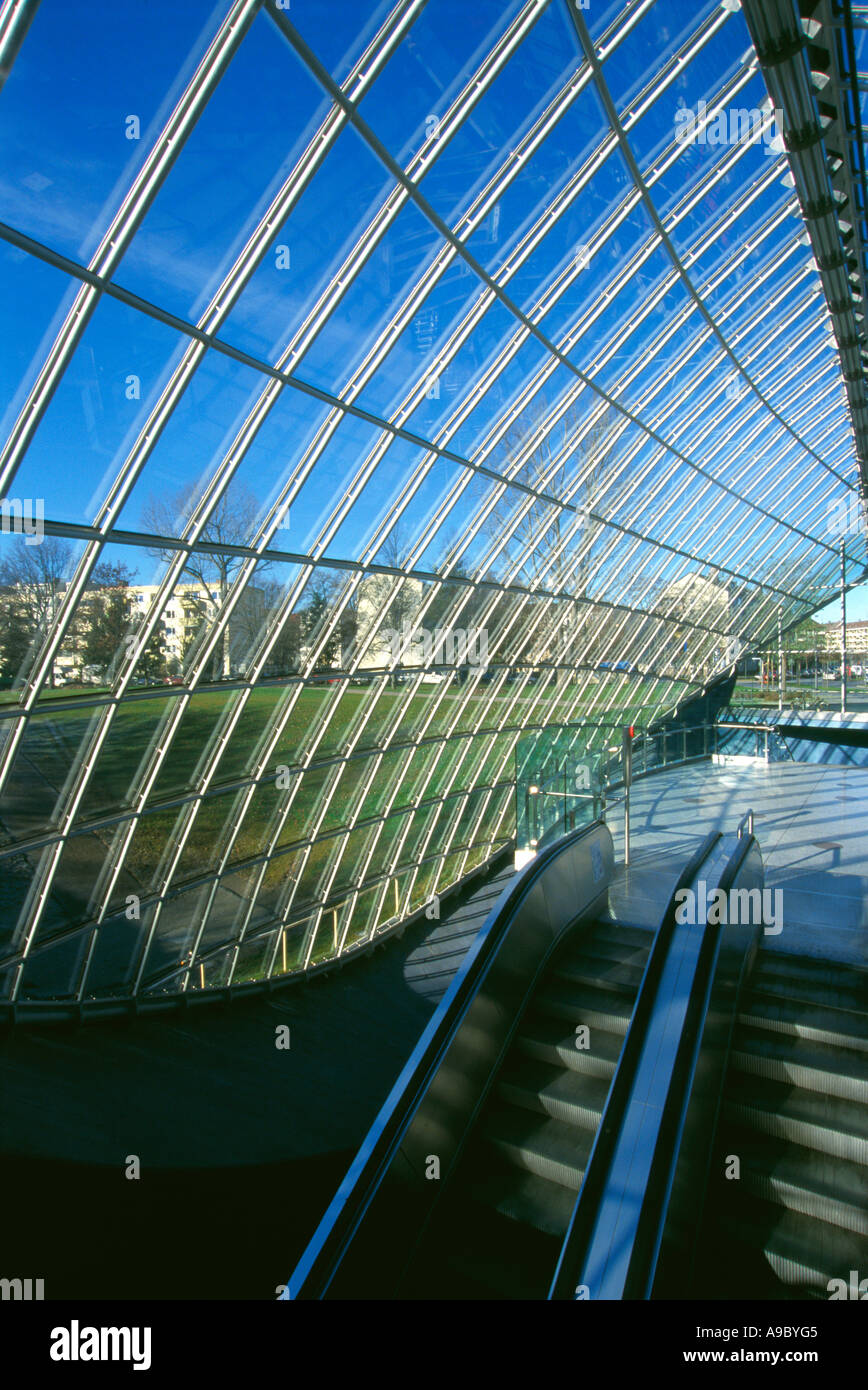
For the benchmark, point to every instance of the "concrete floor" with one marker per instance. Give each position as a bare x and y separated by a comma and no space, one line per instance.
811,822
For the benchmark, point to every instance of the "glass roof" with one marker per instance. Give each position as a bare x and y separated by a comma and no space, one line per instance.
381,382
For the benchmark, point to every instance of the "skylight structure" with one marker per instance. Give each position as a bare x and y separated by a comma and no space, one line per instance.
383,382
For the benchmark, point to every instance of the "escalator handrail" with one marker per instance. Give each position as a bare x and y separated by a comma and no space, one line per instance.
652,1218
315,1269
579,1231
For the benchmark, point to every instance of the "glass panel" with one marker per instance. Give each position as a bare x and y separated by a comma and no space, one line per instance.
75,134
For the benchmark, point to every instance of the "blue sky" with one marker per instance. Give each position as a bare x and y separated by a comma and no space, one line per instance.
68,161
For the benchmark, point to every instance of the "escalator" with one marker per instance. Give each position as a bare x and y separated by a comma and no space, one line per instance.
567,1125
795,1114
502,1222
466,1186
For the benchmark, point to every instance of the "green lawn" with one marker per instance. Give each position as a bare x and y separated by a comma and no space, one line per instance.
56,738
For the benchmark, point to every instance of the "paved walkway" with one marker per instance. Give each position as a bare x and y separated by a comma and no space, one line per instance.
811,822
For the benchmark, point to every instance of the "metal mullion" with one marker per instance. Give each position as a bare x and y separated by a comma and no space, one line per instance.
322,76
801,500
793,374
824,377
444,840
782,292
391,33
780,329
347,499
392,868
162,741
660,497
431,149
631,497
213,878
557,288
435,520
527,146
169,398
16,16
409,755
395,859
745,298
800,407
181,379
337,851
44,876
754,299
211,769
560,205
730,261
352,817
461,801
125,223
61,618
620,27
696,498
675,412
673,68
609,349
724,166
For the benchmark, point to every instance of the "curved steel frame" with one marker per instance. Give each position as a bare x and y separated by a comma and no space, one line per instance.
626,488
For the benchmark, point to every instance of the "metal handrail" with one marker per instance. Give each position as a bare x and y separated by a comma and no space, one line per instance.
746,823
604,797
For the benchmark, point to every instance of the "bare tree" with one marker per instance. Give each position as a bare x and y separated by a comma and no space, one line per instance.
232,522
34,578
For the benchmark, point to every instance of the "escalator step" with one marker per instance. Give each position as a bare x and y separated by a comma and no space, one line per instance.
549,1040
822,1122
617,934
821,1023
599,971
527,1199
540,1145
598,948
518,1269
818,1185
833,1071
604,1008
476,1252
808,977
801,1251
568,1096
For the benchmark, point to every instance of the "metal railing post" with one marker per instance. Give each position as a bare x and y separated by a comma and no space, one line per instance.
627,761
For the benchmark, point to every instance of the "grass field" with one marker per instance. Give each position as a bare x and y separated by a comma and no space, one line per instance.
325,723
